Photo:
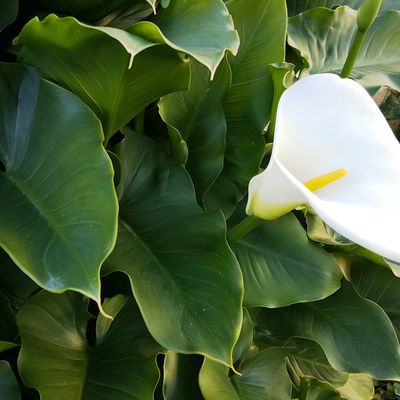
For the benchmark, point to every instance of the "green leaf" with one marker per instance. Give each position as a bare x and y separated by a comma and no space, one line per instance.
377,284
298,6
8,327
307,360
181,374
201,28
262,30
281,266
355,334
263,376
8,12
88,10
324,36
58,217
184,277
9,389
56,359
312,389
116,73
199,116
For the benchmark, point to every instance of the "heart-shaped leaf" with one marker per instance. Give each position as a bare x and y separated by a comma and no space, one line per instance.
262,30
58,217
116,73
342,325
281,266
56,359
263,376
184,277
323,37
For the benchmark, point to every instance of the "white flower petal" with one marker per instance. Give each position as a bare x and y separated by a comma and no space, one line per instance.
325,123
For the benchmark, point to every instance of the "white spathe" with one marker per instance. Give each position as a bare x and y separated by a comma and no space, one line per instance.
325,123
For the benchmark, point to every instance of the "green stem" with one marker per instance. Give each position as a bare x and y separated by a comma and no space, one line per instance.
243,228
353,53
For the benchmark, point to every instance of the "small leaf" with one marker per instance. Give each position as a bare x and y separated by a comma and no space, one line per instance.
263,376
9,389
59,208
342,325
262,30
56,359
324,36
116,73
281,266
184,277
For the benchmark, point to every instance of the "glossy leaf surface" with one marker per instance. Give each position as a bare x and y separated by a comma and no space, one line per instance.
116,73
120,366
281,266
56,175
342,325
184,277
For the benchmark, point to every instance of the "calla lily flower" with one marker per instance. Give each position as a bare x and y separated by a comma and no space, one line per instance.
334,151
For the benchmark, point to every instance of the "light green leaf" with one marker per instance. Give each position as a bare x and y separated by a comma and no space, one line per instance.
199,117
184,277
58,217
88,10
9,389
8,12
262,30
281,266
116,73
263,376
312,389
56,359
355,334
181,375
307,360
245,340
201,28
298,6
324,36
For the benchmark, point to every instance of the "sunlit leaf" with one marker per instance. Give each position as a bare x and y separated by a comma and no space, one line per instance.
116,73
184,277
56,359
324,36
262,29
343,325
59,209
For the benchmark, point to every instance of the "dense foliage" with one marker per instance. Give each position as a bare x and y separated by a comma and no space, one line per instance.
129,132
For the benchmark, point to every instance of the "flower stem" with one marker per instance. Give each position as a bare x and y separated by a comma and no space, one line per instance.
353,53
243,228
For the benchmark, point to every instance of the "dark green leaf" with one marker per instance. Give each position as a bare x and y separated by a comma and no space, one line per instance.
185,278
59,209
262,29
355,334
56,359
116,73
9,389
199,117
281,266
8,12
